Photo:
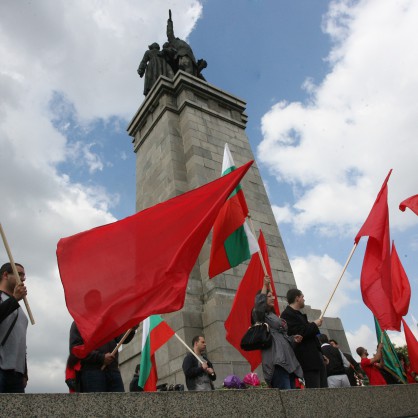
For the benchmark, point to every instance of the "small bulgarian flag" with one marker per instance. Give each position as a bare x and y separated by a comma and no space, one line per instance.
155,333
232,239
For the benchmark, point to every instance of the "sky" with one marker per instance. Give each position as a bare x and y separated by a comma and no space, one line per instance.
331,91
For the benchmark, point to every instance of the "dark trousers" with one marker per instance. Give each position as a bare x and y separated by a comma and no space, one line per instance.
282,379
316,378
101,381
11,382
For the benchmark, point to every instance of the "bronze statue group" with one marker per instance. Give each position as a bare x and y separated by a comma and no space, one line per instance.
176,55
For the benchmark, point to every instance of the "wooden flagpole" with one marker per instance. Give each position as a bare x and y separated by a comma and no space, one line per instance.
339,280
122,340
190,350
115,350
125,336
259,251
15,272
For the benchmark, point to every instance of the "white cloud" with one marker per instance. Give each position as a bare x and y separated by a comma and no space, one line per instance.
359,122
317,277
362,337
87,53
283,214
82,154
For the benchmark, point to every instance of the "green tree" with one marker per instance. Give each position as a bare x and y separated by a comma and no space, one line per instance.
402,350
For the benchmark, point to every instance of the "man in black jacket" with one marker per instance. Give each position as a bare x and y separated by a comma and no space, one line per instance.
308,352
336,375
93,377
199,375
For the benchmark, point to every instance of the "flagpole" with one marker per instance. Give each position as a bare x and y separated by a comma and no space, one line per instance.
15,272
115,350
259,251
197,357
339,280
190,350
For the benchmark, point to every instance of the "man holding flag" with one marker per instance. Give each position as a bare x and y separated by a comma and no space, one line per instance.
198,376
99,370
13,328
372,366
308,352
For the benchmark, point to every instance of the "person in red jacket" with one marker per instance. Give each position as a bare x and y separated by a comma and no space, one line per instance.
372,366
71,378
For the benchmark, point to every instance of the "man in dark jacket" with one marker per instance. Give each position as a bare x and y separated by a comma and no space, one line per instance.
93,377
353,370
13,327
308,352
199,375
336,375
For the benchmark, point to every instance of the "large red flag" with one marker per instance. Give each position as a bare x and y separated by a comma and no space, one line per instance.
401,289
116,275
411,203
375,279
412,344
239,319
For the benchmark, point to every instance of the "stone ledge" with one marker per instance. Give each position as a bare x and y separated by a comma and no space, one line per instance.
384,401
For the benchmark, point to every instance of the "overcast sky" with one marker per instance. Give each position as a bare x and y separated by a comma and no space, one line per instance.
331,88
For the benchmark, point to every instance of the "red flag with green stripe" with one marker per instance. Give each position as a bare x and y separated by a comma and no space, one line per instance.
155,333
232,239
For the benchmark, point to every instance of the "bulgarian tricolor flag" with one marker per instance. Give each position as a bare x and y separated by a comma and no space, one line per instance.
155,333
232,239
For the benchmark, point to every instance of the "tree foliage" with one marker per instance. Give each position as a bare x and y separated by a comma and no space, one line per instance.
402,350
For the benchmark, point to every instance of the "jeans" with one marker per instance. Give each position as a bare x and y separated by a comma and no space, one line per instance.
11,382
101,381
282,379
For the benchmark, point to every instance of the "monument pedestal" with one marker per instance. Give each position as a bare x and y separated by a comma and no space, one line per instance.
179,134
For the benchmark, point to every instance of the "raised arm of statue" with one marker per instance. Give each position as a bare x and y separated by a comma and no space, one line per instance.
170,28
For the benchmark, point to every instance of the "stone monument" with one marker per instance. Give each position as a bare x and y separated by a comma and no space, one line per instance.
179,133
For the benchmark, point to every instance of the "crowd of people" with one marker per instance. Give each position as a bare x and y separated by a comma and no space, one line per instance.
298,353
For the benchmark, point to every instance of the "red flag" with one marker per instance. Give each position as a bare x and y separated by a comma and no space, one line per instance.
375,280
412,344
239,319
411,203
401,289
116,275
